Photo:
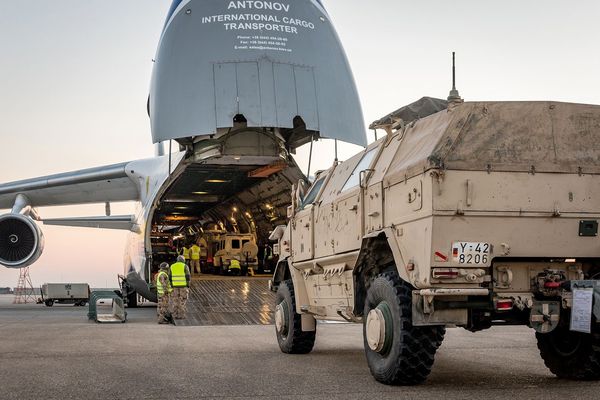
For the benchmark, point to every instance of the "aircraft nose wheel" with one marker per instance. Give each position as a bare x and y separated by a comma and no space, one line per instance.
379,328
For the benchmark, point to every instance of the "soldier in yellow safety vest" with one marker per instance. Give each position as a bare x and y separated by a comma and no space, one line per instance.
163,290
195,257
235,267
185,252
179,276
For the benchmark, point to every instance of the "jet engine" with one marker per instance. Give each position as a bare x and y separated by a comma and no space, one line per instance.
21,241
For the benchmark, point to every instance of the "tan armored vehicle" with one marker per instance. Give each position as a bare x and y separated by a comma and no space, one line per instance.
240,246
471,215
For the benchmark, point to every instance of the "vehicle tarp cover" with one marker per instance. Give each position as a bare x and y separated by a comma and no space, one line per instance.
504,136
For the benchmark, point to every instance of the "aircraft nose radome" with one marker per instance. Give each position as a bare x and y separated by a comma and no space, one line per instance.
269,60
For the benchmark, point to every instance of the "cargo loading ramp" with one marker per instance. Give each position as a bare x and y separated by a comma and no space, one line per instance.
229,301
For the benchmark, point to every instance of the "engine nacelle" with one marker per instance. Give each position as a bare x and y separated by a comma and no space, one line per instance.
21,241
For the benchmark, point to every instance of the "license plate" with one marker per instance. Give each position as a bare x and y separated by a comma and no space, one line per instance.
475,253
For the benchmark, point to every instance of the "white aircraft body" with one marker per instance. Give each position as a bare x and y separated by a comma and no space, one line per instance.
236,86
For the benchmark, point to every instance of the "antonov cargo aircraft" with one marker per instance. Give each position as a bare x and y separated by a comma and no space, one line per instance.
237,85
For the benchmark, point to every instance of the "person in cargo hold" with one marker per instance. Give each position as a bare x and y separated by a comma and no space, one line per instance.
185,252
179,276
235,268
164,291
195,257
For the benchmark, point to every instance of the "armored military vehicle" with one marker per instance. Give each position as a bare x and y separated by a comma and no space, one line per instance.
464,215
239,246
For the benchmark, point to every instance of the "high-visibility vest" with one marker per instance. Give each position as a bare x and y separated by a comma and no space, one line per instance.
235,264
160,289
178,275
195,252
185,252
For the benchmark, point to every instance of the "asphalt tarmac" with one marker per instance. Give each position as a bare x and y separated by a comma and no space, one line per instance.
56,353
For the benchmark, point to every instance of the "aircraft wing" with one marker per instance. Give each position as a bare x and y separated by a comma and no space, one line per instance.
123,222
93,185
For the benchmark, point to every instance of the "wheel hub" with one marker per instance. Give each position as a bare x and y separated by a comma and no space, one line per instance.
379,328
281,319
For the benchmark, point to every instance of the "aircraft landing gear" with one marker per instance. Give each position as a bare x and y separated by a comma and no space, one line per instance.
129,294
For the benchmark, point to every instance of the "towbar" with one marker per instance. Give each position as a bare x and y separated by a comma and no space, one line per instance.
454,292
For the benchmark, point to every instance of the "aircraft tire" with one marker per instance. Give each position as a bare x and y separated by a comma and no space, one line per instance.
400,354
570,355
290,337
132,299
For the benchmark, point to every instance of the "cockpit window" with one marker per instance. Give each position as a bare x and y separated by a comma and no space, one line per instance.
174,6
364,163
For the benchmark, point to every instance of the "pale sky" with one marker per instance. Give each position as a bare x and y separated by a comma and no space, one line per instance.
74,78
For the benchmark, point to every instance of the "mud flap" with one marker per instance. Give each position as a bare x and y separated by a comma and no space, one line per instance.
424,314
585,305
590,284
309,323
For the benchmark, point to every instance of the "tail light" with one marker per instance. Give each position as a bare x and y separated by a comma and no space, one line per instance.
444,273
552,285
504,304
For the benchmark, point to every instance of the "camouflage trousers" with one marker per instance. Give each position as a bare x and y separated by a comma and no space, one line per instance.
195,266
179,299
164,306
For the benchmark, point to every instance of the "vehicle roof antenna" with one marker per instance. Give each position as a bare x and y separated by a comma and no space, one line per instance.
454,97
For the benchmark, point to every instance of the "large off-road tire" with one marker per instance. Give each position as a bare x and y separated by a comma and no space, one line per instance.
398,353
288,324
570,355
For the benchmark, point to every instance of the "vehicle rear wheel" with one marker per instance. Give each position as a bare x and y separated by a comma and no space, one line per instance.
288,324
570,355
49,303
398,353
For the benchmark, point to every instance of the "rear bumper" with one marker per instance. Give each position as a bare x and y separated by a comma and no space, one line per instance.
453,292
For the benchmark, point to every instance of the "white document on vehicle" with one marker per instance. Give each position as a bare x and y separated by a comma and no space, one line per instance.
581,313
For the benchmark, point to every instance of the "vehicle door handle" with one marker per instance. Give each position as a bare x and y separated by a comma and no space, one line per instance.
374,214
353,208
